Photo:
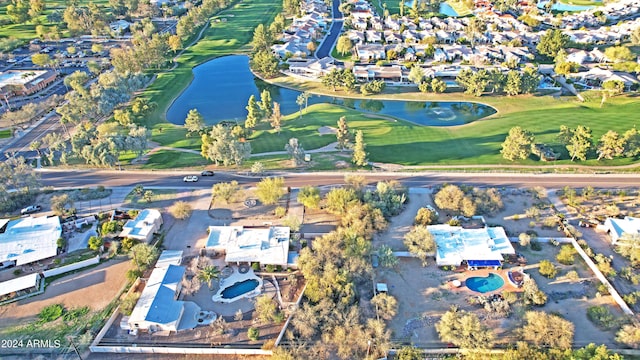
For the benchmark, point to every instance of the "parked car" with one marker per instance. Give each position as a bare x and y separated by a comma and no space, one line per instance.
30,209
207,173
190,178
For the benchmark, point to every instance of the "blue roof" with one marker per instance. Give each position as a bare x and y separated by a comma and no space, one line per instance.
478,263
164,308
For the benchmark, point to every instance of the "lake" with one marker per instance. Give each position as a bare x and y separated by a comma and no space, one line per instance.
221,89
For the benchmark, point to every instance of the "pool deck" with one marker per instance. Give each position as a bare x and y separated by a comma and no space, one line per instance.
462,277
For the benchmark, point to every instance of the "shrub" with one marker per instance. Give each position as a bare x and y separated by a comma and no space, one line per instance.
532,224
253,334
572,275
180,210
532,295
535,246
17,272
632,298
270,268
454,222
75,314
628,273
554,242
255,266
524,239
280,211
133,274
603,289
566,255
510,297
50,313
604,265
547,269
426,216
549,222
601,317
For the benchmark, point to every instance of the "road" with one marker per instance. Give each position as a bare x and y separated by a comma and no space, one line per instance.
92,178
336,27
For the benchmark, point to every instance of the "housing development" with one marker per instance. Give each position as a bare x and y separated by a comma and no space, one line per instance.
320,179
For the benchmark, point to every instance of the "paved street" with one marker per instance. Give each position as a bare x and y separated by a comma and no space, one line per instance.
336,27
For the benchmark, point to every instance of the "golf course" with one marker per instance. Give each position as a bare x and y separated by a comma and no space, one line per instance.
388,140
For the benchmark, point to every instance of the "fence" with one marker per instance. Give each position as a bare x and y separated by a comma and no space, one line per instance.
71,267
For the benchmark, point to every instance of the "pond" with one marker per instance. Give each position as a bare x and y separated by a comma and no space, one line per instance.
221,89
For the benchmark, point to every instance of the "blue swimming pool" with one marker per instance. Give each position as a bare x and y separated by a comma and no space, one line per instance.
239,288
485,284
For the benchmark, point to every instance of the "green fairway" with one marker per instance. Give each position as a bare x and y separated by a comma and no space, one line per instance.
226,37
476,143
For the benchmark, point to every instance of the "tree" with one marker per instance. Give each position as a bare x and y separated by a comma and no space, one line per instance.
531,293
551,42
220,145
60,204
409,353
438,86
475,27
180,210
464,329
420,243
18,11
311,46
276,117
261,39
224,191
332,79
148,195
580,143
595,352
547,269
611,145
344,45
270,190
517,145
309,197
342,133
474,83
426,216
175,42
142,255
208,274
416,75
266,308
359,154
547,330
194,123
300,101
613,87
265,63
41,59
619,54
266,104
95,243
631,140
253,113
629,335
449,198
123,117
295,150
513,85
386,305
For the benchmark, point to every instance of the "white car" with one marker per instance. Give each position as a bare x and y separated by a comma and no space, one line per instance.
190,178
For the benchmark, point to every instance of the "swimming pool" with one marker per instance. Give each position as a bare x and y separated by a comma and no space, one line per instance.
485,284
239,288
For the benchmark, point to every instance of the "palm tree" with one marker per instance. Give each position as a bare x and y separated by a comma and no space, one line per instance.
208,274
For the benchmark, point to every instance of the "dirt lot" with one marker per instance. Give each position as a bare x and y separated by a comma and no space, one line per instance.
94,288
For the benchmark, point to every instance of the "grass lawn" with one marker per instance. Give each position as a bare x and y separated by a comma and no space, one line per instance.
221,38
460,8
158,195
166,159
27,31
5,134
582,2
476,143
335,54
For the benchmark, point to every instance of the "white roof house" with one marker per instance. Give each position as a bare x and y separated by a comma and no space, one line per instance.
147,223
478,247
157,308
21,283
29,239
268,246
619,227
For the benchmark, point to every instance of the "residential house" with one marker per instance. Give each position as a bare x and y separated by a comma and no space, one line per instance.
392,24
158,308
267,246
619,228
483,247
313,68
390,74
370,52
373,36
142,228
578,56
360,24
29,239
392,37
